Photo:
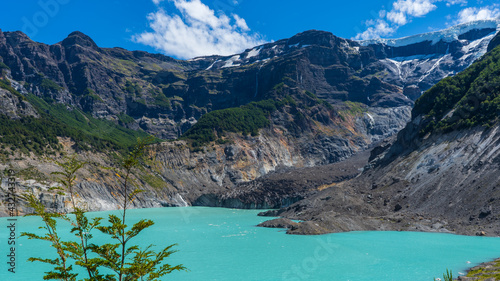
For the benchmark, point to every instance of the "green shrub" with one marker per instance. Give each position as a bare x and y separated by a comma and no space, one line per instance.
125,119
3,66
90,93
132,88
246,119
318,100
161,100
114,260
49,85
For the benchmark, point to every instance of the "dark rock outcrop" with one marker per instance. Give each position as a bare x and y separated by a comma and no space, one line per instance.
278,223
494,42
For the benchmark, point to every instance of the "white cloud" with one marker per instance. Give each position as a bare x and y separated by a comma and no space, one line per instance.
401,14
382,13
378,28
398,18
455,2
414,8
483,13
197,31
241,23
403,11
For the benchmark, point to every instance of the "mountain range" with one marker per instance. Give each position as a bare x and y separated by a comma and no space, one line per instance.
235,124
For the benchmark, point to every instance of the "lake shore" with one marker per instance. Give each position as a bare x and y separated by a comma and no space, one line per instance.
485,271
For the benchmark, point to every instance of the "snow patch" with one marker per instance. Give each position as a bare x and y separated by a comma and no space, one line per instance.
477,48
415,57
436,64
230,62
210,67
253,53
446,35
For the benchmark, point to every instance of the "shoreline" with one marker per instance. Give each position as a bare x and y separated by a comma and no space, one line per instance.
483,271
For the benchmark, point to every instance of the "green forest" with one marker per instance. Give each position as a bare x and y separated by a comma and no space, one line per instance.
471,98
39,135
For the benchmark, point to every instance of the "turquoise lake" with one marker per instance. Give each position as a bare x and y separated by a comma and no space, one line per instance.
224,244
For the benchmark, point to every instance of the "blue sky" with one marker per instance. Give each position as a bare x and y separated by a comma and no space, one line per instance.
190,28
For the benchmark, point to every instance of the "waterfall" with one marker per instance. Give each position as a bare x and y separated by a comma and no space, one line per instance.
257,81
178,200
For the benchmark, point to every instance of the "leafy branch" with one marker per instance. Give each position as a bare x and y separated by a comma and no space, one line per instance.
127,262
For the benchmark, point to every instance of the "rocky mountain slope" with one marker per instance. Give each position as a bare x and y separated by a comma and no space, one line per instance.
440,174
166,96
312,99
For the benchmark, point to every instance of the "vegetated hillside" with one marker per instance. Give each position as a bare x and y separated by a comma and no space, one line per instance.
468,99
309,100
435,176
31,125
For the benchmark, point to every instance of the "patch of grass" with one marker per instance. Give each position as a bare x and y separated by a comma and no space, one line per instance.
90,93
153,180
32,173
132,88
355,108
475,271
486,272
49,85
318,100
161,100
278,87
125,119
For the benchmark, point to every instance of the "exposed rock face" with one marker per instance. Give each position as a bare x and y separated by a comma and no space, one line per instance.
97,188
15,107
412,91
284,187
494,42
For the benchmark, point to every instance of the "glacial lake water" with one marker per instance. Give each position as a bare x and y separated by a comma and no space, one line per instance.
224,244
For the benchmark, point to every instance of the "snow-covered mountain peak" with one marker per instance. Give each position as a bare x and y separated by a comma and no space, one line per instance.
447,35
